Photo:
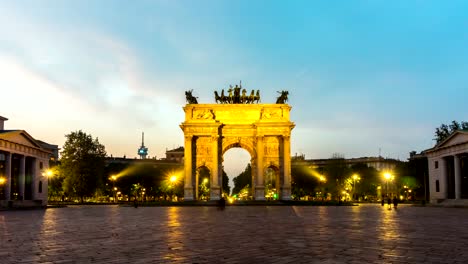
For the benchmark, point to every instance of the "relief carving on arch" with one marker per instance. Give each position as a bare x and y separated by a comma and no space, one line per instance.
206,114
271,146
204,149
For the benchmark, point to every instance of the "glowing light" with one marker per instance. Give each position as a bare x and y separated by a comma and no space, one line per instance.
2,180
322,178
231,200
173,178
115,188
113,178
205,180
356,177
48,173
387,176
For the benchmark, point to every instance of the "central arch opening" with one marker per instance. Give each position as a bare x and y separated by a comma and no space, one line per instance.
236,161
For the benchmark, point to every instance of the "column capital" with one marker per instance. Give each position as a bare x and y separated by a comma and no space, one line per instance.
188,137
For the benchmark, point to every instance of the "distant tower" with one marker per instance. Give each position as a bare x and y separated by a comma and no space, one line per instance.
143,151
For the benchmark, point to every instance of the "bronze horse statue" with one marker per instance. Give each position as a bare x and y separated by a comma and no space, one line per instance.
236,95
283,98
190,98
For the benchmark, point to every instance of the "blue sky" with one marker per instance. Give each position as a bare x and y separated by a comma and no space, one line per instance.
362,75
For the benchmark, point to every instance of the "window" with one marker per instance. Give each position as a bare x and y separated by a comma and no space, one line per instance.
436,164
40,187
40,165
437,186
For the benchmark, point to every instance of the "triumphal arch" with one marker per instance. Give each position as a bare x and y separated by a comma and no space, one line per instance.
237,120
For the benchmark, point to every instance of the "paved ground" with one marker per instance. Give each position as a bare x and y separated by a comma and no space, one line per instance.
239,234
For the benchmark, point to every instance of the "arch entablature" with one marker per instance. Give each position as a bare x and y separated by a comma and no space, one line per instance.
263,130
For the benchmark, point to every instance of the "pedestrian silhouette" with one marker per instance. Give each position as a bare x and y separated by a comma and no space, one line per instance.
383,200
389,203
221,203
395,202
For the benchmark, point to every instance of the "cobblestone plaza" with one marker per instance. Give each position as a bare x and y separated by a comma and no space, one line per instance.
239,234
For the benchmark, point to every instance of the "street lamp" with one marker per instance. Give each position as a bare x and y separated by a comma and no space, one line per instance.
322,180
173,179
355,178
387,177
2,182
113,178
49,174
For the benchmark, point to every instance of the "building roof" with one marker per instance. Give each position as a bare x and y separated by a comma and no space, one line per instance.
179,149
21,137
445,141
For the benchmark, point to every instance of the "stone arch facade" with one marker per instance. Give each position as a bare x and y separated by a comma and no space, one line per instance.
263,130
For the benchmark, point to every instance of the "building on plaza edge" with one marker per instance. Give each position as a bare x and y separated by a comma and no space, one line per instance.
23,163
448,169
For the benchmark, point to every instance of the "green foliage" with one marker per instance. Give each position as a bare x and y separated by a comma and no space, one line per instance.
303,182
82,164
242,180
203,185
336,173
226,187
153,178
444,131
370,178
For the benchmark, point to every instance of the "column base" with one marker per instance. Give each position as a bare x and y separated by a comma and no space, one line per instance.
188,194
260,193
215,193
286,193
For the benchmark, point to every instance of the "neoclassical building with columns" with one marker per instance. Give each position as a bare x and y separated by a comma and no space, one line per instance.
23,161
448,169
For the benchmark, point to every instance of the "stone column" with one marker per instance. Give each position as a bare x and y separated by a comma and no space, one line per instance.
457,168
215,190
22,170
259,184
286,188
443,178
9,158
188,186
35,180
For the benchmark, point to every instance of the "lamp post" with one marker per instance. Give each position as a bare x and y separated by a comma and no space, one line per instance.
322,180
387,177
355,178
49,174
113,178
2,183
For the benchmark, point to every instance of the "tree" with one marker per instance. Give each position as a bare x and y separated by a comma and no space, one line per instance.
226,187
336,172
303,181
82,164
444,131
242,180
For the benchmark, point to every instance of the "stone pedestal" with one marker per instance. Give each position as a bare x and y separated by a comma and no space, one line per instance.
259,193
188,194
215,193
286,193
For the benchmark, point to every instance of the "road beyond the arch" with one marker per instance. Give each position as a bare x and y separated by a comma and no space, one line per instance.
239,234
